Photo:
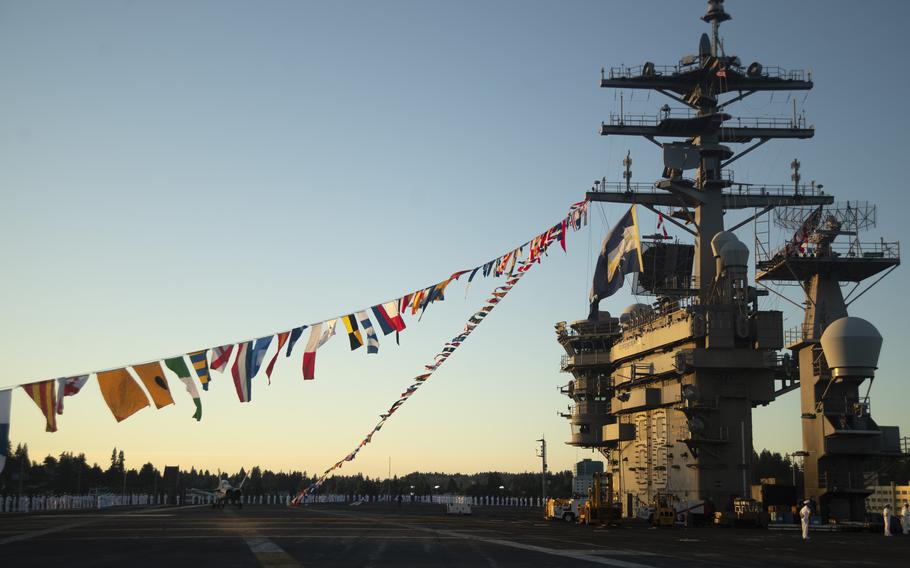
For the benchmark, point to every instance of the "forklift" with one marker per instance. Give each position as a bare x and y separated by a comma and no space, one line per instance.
664,514
600,508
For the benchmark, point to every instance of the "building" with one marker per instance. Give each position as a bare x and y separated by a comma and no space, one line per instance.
897,495
584,475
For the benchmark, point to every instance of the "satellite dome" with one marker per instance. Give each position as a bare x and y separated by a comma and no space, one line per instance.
719,240
851,347
733,252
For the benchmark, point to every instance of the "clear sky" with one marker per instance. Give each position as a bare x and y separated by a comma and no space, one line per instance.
177,175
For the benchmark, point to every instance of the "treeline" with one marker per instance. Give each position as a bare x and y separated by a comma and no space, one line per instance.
71,473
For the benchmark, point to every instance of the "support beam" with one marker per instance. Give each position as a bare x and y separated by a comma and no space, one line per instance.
735,99
664,199
752,218
869,287
776,293
672,220
744,152
677,98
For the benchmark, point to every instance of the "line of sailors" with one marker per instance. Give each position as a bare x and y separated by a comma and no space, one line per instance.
806,512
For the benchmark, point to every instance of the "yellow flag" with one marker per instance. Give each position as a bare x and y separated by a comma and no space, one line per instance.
152,376
121,393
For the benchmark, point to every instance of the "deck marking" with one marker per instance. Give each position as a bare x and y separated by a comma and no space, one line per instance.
574,554
269,554
60,528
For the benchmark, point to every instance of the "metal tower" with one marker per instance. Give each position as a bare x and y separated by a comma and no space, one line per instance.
665,392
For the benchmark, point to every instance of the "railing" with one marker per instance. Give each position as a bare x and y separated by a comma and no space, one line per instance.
798,333
33,503
774,72
852,250
748,189
580,359
654,120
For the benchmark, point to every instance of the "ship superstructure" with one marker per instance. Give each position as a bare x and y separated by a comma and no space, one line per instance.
666,390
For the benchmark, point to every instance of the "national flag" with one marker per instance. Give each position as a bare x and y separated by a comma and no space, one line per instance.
619,255
383,319
178,366
258,354
562,235
221,356
295,335
121,393
5,407
152,376
69,386
282,339
317,339
350,324
201,365
372,339
241,371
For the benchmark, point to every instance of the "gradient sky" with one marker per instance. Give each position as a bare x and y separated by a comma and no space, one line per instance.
177,175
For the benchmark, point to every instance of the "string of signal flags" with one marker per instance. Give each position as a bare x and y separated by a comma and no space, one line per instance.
124,396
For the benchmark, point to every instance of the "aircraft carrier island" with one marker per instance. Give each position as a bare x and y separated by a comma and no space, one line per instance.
665,390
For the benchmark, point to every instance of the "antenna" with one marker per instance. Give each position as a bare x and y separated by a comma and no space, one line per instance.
627,174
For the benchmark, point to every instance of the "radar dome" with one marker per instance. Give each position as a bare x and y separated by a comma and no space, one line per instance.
719,240
851,347
734,253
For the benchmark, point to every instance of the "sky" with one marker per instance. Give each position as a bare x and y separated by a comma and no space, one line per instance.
179,175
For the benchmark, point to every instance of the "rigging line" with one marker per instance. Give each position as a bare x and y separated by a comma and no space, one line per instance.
183,354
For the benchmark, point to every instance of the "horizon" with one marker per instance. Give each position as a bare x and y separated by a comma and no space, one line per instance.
178,176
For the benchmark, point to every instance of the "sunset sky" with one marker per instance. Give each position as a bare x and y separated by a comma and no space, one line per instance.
179,175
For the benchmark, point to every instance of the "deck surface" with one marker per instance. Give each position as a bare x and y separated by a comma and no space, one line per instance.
380,535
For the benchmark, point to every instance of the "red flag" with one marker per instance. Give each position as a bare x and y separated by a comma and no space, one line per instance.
282,339
43,395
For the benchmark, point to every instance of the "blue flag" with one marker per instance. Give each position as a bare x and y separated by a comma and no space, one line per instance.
257,354
619,255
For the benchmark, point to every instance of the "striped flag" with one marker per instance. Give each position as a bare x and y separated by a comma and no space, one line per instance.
69,386
241,371
372,339
317,339
43,394
5,407
201,365
282,339
178,366
258,354
404,303
295,335
350,324
220,357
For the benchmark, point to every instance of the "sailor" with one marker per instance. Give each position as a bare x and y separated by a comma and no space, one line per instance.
804,515
886,516
905,517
